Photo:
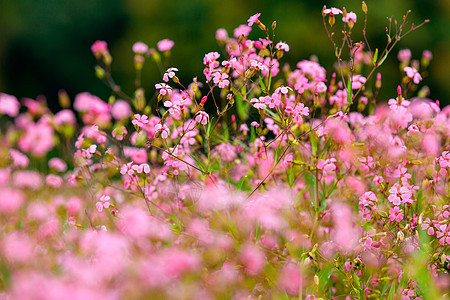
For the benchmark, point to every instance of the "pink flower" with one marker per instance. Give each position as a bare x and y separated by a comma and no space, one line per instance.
259,103
140,48
283,90
221,34
170,73
404,55
357,82
103,203
140,120
121,110
202,118
395,214
10,200
58,164
413,74
252,259
165,45
9,105
54,180
142,168
127,169
164,89
163,129
221,79
333,11
253,19
38,139
242,30
282,46
99,48
350,16
258,65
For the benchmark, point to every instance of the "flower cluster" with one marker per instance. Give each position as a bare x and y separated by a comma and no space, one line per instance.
252,182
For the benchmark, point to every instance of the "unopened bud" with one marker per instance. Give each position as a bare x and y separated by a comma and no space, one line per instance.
274,25
261,26
99,72
364,7
378,82
400,236
316,280
63,98
331,19
399,93
194,85
175,79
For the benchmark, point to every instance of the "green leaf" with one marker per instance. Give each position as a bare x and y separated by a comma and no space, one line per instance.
314,142
261,84
391,294
324,276
382,59
257,233
375,56
291,176
199,163
349,91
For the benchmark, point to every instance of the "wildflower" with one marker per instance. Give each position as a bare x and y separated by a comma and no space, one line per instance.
259,103
413,74
395,214
332,11
170,73
9,105
103,203
282,46
221,79
163,129
254,19
140,48
140,120
350,17
258,65
221,34
202,118
283,90
141,168
404,55
165,45
164,89
242,30
99,48
120,110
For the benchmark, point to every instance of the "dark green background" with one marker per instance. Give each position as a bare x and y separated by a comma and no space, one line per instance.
45,44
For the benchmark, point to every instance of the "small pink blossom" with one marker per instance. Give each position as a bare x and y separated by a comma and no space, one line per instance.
202,118
58,164
140,48
164,89
242,30
221,34
413,74
282,46
254,19
99,48
9,105
140,120
395,214
259,103
103,203
221,79
163,129
333,11
165,45
350,16
170,73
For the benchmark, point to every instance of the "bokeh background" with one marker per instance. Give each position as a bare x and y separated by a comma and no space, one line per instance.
45,44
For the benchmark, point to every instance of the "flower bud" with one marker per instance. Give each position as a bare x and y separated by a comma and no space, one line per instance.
99,72
274,25
364,7
331,19
400,236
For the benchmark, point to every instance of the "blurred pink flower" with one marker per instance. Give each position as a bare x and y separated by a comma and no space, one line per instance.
140,48
9,105
165,45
